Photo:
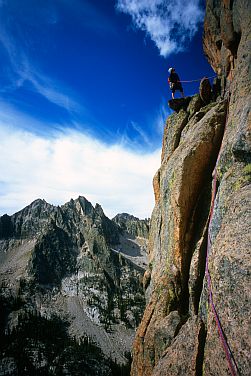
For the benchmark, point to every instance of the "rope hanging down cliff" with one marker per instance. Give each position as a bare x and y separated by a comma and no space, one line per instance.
229,356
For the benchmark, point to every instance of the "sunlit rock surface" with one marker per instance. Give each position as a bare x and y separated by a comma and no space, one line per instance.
178,333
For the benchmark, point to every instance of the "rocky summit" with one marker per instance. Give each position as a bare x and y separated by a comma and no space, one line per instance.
71,289
197,319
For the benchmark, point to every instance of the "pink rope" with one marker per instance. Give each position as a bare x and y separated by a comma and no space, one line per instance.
231,365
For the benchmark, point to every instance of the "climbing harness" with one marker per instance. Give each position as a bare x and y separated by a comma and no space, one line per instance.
230,359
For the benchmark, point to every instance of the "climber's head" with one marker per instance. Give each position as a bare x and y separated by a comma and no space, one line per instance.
170,70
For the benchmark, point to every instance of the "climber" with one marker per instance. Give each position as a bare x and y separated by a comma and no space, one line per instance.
174,82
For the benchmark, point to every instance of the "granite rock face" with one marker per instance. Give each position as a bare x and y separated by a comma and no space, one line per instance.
73,263
178,333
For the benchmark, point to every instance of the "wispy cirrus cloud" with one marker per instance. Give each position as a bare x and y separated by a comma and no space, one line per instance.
53,92
169,23
159,118
22,71
134,137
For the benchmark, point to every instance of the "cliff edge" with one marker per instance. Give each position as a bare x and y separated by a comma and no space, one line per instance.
178,333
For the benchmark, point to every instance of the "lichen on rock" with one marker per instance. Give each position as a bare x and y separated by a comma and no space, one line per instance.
178,334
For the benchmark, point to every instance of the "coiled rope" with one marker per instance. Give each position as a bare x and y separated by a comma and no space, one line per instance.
229,356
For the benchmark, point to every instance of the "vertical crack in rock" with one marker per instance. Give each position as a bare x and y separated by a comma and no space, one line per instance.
198,247
200,276
194,220
200,350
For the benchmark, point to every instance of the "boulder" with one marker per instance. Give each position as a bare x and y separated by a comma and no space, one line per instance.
179,103
205,90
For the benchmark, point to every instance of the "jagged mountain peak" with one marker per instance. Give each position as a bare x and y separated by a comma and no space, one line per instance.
132,225
37,204
83,201
84,207
28,221
39,201
124,217
99,209
80,205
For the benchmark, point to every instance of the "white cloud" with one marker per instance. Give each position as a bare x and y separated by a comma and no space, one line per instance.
73,164
169,23
52,92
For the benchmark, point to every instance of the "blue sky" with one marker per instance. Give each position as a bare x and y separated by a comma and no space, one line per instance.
83,96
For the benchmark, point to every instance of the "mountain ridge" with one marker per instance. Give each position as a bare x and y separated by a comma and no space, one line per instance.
73,262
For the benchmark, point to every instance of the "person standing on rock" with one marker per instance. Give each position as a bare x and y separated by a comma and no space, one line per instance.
174,82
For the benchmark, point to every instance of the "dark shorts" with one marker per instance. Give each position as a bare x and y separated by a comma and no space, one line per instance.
177,86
